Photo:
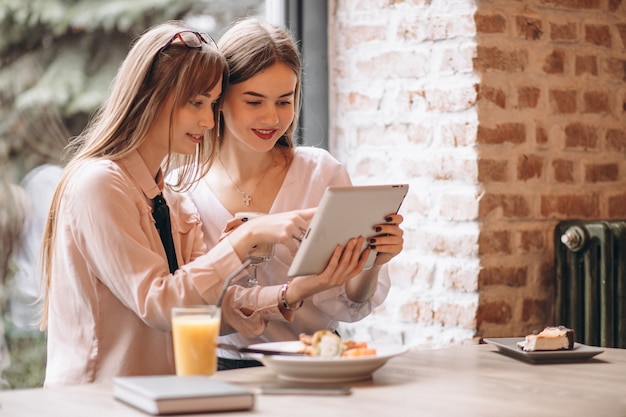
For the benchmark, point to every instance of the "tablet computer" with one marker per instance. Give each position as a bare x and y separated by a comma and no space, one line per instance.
344,213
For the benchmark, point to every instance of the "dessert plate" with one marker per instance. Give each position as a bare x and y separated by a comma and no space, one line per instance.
319,369
508,346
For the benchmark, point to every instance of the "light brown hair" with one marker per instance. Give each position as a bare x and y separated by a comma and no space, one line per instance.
250,46
148,75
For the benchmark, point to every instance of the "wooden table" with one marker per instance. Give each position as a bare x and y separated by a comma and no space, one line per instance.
461,381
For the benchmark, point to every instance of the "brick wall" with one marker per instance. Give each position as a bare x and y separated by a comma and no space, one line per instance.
504,117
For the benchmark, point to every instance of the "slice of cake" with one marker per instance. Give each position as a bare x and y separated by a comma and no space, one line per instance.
551,338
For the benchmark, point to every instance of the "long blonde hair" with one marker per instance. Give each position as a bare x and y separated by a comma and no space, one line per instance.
148,75
250,46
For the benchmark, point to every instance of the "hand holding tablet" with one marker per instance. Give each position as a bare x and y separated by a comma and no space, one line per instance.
344,213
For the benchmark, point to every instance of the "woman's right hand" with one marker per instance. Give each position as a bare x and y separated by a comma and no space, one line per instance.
345,263
285,228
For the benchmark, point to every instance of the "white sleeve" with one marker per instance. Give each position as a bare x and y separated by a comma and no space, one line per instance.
336,304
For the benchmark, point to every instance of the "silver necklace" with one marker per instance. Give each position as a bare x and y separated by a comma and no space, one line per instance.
247,198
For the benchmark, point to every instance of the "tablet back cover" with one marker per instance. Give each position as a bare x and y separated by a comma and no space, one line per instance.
343,213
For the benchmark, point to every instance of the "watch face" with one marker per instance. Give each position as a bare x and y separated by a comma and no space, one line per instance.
283,300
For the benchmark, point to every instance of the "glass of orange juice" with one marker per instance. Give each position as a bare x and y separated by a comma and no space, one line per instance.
195,331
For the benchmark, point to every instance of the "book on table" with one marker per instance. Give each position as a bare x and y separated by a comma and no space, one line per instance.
170,394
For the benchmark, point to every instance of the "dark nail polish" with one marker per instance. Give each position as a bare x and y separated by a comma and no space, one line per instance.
372,240
244,219
388,219
378,228
373,247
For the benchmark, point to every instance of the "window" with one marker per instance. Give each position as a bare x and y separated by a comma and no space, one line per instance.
307,21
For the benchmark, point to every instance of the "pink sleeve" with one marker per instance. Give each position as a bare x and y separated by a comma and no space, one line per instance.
113,236
251,309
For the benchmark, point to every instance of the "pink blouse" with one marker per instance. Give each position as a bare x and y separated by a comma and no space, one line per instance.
111,291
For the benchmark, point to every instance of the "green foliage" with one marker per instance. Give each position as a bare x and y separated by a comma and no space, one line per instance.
58,57
50,46
28,359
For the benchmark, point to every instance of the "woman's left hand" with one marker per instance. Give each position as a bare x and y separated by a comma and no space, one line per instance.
388,240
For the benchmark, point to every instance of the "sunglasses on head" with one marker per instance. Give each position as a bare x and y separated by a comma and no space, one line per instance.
190,39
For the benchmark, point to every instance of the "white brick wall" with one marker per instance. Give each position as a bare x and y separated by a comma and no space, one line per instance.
504,117
403,110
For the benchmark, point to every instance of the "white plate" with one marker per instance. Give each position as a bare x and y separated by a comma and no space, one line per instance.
508,346
317,369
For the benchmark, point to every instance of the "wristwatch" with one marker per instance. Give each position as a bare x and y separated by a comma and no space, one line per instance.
283,291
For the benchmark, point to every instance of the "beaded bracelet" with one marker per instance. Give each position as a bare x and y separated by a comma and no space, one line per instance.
283,290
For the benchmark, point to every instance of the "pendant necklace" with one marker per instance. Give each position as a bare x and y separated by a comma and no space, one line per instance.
247,198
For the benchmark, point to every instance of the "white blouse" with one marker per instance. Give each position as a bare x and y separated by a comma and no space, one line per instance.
311,171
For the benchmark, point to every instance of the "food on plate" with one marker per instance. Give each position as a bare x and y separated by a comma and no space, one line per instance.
550,338
327,344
